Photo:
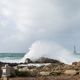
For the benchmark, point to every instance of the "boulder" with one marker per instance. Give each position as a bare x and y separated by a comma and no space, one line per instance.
70,72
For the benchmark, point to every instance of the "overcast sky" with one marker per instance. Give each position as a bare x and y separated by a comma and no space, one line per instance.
23,22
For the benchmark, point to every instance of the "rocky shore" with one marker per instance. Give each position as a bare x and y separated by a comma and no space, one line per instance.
48,69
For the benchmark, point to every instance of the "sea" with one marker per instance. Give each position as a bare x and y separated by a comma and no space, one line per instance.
11,57
17,57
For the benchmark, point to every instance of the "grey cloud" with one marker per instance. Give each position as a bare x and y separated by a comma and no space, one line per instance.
31,20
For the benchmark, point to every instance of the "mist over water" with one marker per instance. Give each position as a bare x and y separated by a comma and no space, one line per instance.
51,50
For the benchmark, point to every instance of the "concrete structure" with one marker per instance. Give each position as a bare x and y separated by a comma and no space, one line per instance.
0,71
5,72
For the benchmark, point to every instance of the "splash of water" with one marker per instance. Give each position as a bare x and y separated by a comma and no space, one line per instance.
51,50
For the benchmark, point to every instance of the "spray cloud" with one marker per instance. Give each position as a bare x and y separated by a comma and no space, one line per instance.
51,50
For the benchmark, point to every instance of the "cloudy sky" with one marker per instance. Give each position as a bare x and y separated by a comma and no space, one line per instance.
23,22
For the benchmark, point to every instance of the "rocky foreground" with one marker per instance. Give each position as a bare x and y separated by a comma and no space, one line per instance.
48,78
54,70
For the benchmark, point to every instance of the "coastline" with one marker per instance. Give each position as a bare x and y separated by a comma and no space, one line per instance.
47,71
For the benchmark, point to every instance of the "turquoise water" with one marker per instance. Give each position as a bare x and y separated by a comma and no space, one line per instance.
11,57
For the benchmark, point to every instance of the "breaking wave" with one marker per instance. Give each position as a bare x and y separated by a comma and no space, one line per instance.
51,50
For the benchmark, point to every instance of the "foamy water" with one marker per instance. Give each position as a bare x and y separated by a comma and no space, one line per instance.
33,64
41,49
11,57
50,50
17,59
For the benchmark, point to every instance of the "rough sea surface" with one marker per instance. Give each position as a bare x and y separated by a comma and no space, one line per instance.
17,57
11,57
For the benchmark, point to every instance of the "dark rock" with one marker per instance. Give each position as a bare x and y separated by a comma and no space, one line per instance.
46,60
